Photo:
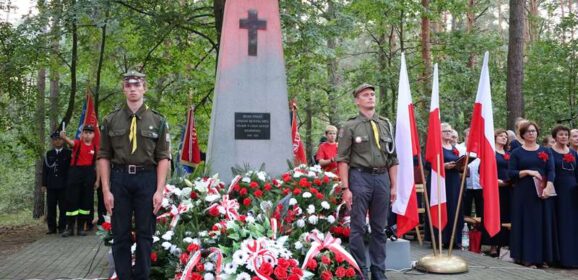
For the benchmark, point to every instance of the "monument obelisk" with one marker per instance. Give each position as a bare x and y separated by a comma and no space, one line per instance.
250,118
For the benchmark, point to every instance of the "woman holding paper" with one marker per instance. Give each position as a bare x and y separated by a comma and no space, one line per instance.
532,235
566,205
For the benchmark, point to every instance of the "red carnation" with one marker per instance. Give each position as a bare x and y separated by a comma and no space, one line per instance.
283,262
319,195
266,269
304,183
293,262
339,258
106,226
242,218
236,187
286,191
258,193
255,278
340,272
350,272
326,275
154,257
337,230
267,187
286,177
275,182
567,158
243,192
325,260
507,156
214,211
184,258
194,195
296,191
313,190
247,201
312,264
317,182
254,185
196,276
543,156
455,151
346,231
296,271
280,272
193,247
200,267
294,277
325,179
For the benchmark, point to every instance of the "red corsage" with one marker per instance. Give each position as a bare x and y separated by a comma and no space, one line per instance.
543,156
456,152
568,158
507,156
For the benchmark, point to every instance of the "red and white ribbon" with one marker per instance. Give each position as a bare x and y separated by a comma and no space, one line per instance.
331,244
274,227
175,213
218,263
233,183
191,263
228,206
259,254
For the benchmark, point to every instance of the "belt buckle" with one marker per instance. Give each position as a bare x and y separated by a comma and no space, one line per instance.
132,169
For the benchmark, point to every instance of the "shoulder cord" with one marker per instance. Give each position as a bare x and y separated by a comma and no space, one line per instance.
49,165
391,149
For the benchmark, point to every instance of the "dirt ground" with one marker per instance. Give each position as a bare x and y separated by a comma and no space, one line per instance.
14,238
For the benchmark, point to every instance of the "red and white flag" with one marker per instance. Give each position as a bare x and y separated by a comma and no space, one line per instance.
90,117
298,149
405,206
481,142
190,153
433,154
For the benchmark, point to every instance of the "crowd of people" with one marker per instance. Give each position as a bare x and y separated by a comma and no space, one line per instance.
538,190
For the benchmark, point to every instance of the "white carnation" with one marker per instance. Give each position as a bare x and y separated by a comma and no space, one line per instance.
298,245
310,209
188,240
292,201
166,203
325,205
186,192
209,276
209,266
250,220
331,219
306,194
313,219
243,276
166,245
300,223
230,268
246,180
155,238
168,235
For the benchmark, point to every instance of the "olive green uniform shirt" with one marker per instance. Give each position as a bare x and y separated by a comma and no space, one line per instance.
357,145
153,139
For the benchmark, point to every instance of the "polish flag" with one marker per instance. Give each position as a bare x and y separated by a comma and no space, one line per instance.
405,206
433,153
190,154
481,142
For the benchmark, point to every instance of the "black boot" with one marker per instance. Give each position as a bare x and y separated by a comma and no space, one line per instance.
69,231
80,226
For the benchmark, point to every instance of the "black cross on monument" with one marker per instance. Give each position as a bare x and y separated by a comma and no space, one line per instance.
253,23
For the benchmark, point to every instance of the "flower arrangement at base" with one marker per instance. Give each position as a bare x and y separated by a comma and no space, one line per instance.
327,259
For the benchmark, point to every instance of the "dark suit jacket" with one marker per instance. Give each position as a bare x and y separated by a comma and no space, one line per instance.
55,169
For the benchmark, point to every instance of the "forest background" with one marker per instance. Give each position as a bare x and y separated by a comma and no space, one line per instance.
54,51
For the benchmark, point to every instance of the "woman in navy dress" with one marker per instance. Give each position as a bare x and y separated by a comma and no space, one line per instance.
452,179
502,238
566,202
531,238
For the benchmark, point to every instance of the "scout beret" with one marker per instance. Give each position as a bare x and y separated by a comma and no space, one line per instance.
88,127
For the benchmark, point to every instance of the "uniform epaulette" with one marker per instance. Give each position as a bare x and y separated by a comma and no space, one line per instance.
383,118
352,118
116,110
157,113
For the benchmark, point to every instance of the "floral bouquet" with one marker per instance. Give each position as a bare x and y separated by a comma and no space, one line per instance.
327,259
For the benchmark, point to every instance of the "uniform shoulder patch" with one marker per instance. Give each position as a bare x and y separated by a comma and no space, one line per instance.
352,118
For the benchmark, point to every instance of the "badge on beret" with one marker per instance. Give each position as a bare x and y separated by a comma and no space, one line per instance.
151,127
358,139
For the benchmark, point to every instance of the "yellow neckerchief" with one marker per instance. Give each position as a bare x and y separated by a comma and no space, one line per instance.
132,133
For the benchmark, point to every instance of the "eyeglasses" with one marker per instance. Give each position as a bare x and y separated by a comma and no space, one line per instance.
531,131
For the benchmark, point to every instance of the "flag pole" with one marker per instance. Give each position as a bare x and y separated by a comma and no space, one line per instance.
439,208
427,209
459,203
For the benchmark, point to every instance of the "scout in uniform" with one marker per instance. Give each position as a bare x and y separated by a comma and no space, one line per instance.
56,163
133,159
367,167
81,179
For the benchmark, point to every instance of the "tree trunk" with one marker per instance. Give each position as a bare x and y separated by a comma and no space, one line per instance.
73,63
425,48
332,73
100,62
38,210
54,74
471,19
514,97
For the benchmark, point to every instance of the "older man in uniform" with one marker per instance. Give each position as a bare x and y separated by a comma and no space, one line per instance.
133,158
367,167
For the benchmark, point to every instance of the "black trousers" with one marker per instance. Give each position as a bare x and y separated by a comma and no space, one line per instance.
133,194
477,197
80,191
56,198
371,193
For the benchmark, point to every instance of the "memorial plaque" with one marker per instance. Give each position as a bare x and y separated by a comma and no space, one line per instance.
254,126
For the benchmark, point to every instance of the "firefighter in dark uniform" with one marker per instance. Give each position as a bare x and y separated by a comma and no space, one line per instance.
368,168
81,180
133,160
56,163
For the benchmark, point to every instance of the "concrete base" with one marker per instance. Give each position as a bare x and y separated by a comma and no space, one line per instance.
397,254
